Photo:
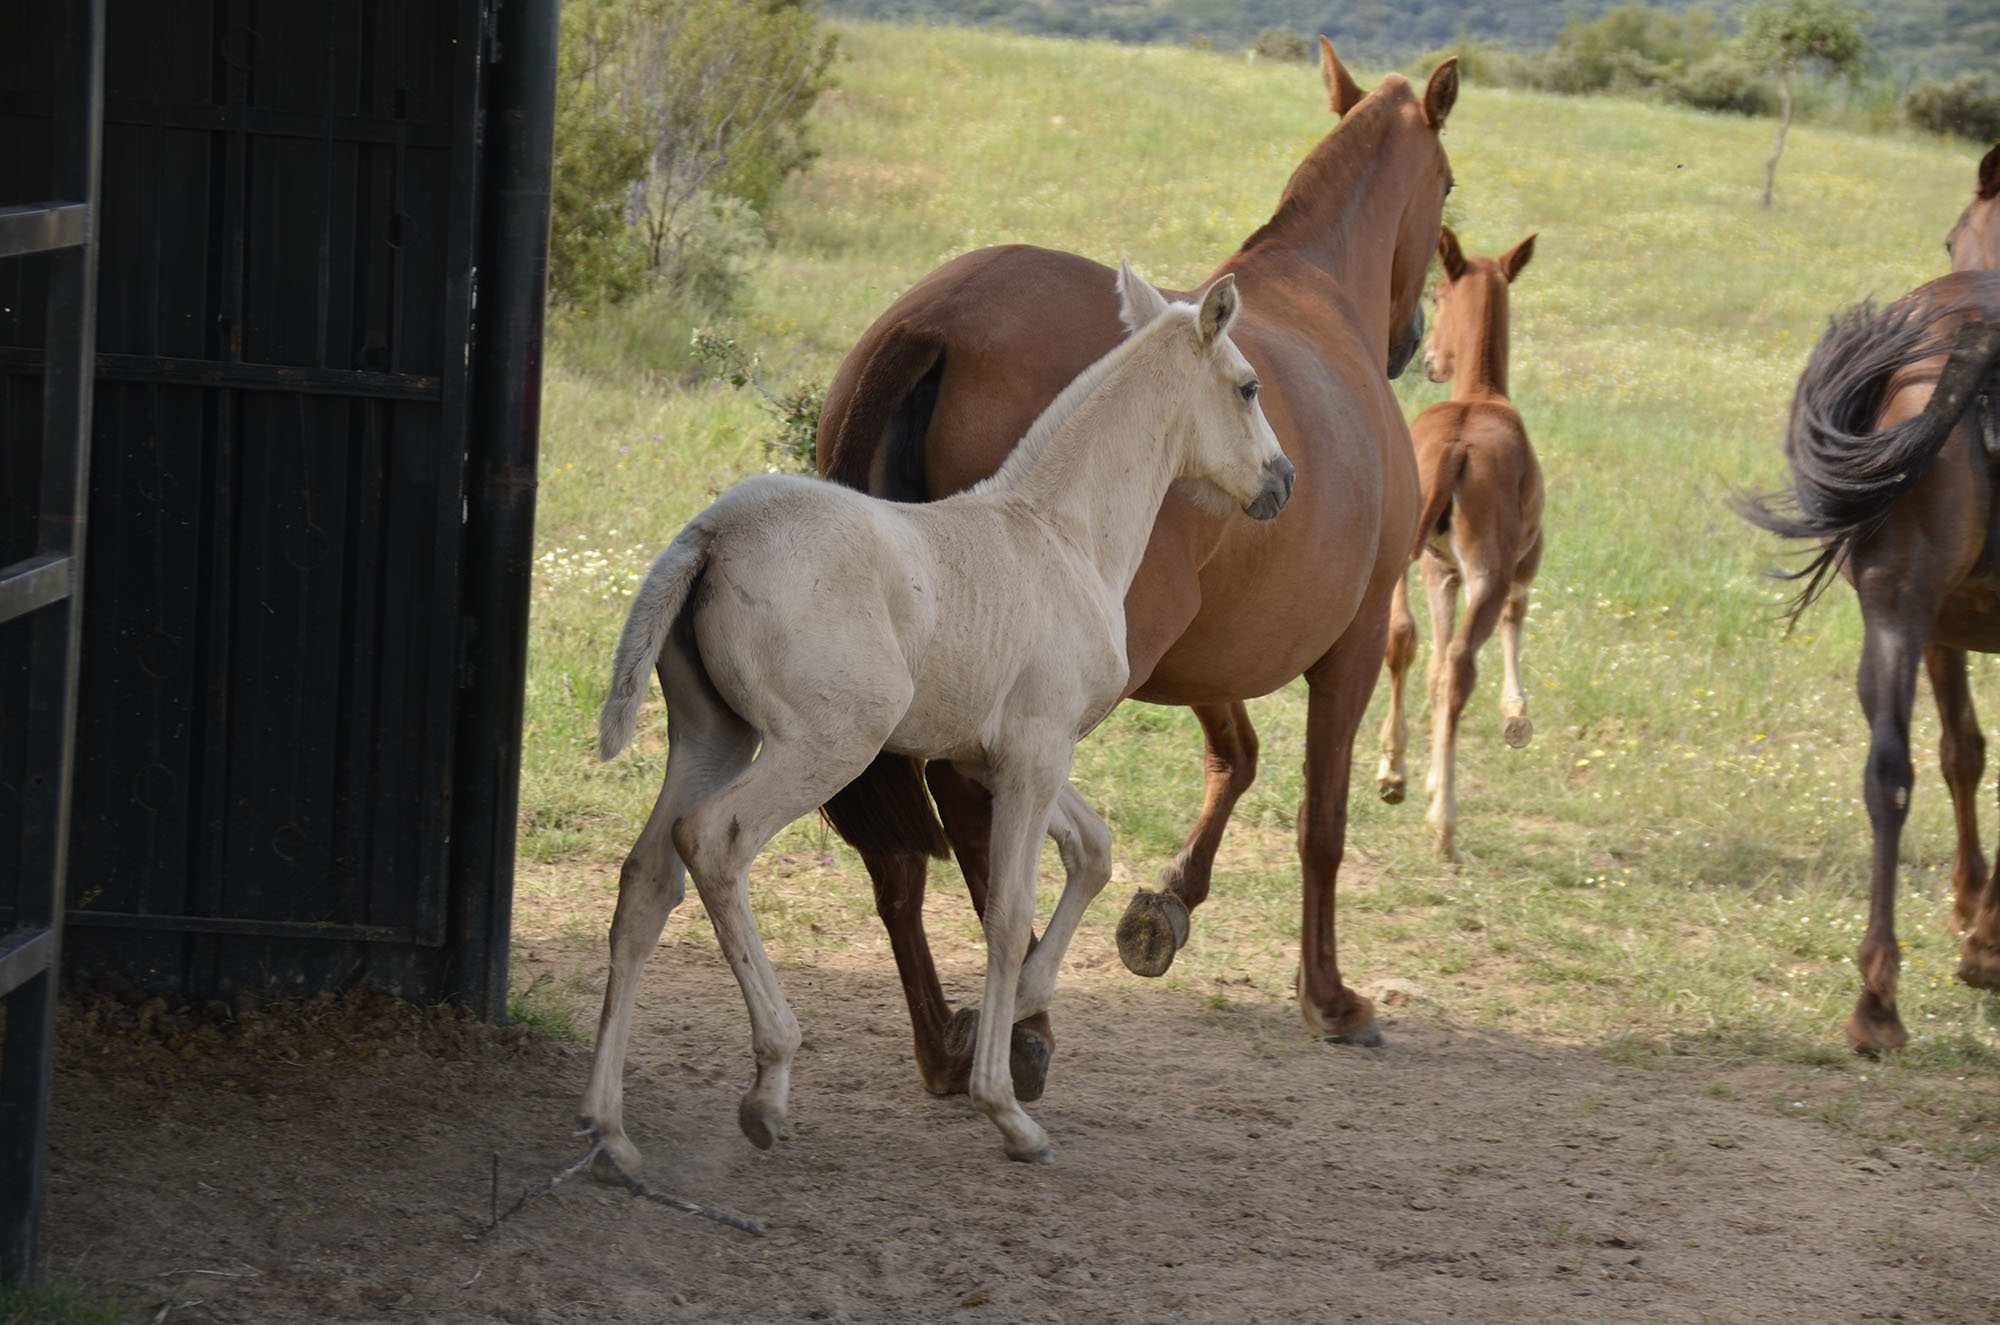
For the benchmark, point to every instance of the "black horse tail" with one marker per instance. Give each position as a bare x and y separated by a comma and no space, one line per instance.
1845,477
879,442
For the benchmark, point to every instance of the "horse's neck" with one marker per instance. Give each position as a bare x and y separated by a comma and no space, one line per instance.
1480,370
1101,476
1342,207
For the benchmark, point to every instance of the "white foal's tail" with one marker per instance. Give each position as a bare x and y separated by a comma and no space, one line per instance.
647,625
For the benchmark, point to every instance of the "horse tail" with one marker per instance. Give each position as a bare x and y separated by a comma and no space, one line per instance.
888,413
655,608
1845,477
1440,483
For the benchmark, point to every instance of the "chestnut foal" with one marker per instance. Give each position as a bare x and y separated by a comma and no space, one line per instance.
1481,527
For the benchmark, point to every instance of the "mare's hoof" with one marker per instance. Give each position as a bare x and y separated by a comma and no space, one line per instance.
1517,732
1151,931
1873,1038
1391,790
1028,1053
1979,964
1368,1037
758,1125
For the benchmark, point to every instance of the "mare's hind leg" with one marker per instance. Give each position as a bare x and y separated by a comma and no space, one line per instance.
1155,923
1390,776
1962,759
707,746
966,810
719,838
1338,689
1892,640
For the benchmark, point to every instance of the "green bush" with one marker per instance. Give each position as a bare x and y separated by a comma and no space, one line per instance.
1723,81
1968,106
1284,44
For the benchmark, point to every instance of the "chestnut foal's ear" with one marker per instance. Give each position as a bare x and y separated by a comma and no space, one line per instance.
1450,256
1989,173
1138,302
1441,93
1516,258
1219,308
1342,92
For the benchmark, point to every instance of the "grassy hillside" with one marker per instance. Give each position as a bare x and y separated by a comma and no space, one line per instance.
1681,852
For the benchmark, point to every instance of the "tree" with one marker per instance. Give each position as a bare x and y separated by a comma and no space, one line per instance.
676,121
1786,36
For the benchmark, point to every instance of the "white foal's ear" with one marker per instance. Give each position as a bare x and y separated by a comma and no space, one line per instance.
1138,302
1219,308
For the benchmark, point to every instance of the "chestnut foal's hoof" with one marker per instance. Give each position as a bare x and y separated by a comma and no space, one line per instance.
1029,1052
1151,931
1517,732
1391,790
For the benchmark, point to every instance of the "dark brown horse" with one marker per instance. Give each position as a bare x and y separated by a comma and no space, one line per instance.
934,396
1480,531
1892,445
1974,243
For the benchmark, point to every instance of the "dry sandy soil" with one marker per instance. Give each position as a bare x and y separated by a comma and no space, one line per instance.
334,1162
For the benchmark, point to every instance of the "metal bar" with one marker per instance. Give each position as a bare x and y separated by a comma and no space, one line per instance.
506,416
264,121
167,371
24,954
34,583
27,1063
43,228
276,929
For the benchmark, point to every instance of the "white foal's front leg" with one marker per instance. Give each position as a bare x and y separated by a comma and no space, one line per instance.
1022,806
1084,843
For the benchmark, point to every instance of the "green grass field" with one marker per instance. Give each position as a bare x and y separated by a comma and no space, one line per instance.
1680,854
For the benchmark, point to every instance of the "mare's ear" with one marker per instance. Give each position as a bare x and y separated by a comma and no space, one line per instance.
1989,173
1450,256
1516,258
1219,308
1441,93
1342,92
1138,302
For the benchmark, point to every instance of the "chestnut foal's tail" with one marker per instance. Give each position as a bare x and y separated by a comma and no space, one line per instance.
1439,485
1846,478
886,810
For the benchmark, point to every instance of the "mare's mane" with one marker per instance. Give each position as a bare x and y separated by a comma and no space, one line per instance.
1320,174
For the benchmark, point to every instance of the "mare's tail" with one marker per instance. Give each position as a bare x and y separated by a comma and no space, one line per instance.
1439,484
1845,478
654,610
886,811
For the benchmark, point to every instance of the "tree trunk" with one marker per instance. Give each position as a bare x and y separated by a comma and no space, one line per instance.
1784,123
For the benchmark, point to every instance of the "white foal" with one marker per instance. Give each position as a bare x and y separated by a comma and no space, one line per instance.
800,627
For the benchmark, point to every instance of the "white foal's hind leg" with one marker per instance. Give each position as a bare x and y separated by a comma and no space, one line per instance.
1084,843
707,747
721,837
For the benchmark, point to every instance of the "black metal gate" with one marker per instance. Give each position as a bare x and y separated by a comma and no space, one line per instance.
323,227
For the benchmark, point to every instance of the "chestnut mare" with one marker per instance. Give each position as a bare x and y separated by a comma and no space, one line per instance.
1891,444
1223,609
1481,527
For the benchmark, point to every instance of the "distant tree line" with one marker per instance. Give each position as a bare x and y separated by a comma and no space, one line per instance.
1927,61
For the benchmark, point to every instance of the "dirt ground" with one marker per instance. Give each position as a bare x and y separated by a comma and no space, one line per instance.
334,1161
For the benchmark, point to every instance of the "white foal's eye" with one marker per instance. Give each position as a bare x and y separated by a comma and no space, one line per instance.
1248,390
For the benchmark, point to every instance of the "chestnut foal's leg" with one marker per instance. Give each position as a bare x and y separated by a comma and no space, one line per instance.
1390,776
1155,923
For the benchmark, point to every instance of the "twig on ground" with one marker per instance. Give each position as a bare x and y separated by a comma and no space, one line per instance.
632,1185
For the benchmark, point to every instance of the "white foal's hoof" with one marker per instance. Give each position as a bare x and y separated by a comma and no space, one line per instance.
1518,731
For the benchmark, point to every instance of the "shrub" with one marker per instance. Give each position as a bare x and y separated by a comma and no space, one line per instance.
1968,106
1285,44
1723,81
